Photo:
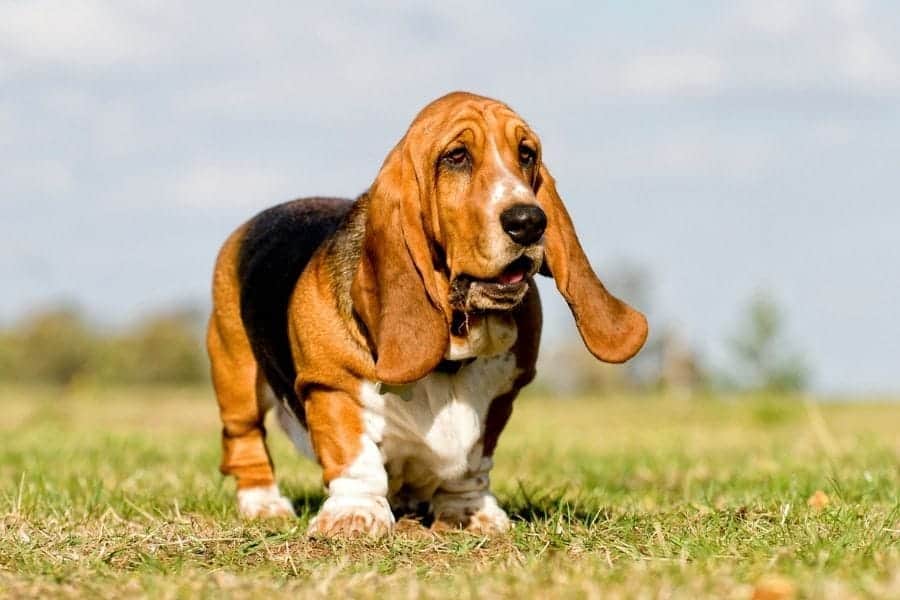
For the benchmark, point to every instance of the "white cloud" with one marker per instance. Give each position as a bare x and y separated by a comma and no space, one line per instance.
778,17
41,176
234,185
849,11
864,60
83,33
670,74
840,46
694,154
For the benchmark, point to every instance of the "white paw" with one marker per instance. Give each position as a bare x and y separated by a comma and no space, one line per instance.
490,518
479,514
263,503
352,515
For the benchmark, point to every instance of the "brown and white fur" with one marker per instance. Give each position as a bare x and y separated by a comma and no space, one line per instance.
392,333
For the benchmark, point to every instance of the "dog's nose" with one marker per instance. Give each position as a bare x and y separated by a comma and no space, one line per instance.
524,223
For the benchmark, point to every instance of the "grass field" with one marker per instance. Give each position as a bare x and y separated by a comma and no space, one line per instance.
115,493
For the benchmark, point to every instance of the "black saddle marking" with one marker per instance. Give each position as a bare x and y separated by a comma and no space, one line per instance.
277,246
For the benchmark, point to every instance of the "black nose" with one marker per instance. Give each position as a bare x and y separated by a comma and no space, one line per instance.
524,223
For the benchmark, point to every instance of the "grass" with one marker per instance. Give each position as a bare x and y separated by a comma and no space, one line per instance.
111,493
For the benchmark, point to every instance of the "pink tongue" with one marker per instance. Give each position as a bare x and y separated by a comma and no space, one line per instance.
514,277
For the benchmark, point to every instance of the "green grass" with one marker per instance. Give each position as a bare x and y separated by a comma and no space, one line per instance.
114,493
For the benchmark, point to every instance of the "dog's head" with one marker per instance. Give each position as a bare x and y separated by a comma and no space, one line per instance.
462,214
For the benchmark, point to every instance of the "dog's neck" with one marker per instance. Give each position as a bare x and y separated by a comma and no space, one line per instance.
487,334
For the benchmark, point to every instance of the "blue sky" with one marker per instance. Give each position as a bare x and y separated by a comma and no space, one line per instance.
725,148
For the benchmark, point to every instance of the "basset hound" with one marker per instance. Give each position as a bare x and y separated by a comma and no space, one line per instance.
392,333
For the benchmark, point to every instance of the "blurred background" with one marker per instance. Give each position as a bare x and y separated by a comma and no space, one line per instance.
732,169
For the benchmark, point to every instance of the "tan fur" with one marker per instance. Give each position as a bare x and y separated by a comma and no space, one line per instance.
235,378
335,428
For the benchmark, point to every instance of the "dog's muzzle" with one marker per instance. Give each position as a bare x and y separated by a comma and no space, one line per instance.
506,292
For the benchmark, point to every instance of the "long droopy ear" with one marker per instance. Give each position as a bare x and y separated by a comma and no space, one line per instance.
611,330
394,291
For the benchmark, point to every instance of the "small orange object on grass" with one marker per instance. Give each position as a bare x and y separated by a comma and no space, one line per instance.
818,500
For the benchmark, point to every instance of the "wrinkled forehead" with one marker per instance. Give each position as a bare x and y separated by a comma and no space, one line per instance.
484,119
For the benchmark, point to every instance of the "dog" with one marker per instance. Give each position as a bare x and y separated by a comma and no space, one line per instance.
392,333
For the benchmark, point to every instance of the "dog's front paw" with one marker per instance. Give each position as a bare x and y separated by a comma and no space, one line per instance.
489,519
481,515
352,516
263,502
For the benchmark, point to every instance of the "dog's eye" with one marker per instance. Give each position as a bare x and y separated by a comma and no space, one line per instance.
456,158
527,155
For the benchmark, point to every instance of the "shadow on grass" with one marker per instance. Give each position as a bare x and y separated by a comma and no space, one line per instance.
525,506
534,507
307,502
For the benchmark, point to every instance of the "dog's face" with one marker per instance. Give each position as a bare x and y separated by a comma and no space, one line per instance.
488,225
461,215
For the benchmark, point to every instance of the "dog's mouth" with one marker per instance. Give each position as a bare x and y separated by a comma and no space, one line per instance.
501,293
516,271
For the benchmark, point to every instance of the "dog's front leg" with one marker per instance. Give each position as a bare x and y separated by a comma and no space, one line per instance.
353,468
467,502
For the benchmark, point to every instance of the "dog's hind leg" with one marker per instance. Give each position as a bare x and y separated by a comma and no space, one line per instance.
239,390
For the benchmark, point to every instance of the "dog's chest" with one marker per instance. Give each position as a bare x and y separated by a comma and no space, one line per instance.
431,430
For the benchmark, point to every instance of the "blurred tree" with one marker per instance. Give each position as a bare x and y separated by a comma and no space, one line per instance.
162,348
666,361
680,369
633,283
762,357
58,346
567,368
53,346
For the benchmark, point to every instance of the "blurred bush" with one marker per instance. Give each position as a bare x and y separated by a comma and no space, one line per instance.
762,357
668,361
60,346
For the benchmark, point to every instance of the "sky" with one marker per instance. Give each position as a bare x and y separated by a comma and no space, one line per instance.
724,149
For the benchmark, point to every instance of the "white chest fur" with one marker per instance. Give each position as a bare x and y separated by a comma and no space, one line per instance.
430,431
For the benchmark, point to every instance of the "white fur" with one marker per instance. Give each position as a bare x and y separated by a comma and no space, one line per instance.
516,187
498,192
507,186
262,502
488,335
422,442
360,493
468,501
429,432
